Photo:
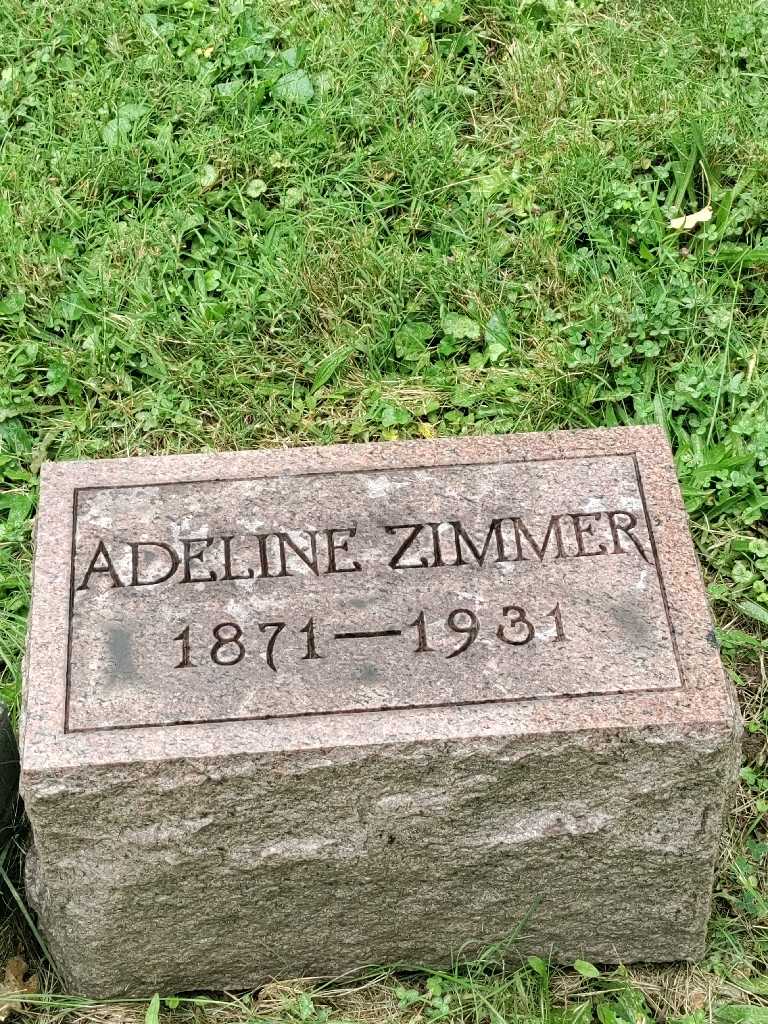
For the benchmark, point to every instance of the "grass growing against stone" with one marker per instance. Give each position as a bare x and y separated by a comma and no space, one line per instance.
228,225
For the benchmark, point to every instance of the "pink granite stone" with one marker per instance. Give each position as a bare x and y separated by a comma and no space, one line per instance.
294,711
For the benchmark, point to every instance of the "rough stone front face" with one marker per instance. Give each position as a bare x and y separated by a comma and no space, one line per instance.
291,712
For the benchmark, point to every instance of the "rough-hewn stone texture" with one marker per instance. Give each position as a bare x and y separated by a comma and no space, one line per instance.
204,818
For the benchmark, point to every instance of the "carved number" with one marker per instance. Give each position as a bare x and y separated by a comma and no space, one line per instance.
186,661
223,641
516,630
516,618
278,627
557,616
471,629
421,629
311,654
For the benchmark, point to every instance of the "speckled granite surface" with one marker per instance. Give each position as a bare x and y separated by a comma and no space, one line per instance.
291,711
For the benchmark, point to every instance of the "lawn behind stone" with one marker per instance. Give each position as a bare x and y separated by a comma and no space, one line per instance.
229,225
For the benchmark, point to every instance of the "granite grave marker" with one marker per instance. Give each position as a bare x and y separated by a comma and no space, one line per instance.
288,712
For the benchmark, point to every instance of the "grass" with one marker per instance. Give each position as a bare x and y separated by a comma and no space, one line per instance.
226,225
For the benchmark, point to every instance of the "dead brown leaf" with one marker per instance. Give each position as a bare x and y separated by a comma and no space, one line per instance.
697,999
15,985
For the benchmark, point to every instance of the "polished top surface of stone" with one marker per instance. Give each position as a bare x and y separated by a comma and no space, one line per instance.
364,593
362,590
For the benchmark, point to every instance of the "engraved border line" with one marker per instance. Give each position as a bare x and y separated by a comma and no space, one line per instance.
373,710
386,707
654,550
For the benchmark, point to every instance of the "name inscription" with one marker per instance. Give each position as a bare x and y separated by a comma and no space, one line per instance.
323,552
306,595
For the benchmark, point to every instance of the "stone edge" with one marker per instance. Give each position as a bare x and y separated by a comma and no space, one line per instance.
707,698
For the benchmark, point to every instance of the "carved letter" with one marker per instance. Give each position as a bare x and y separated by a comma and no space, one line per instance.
627,529
341,545
580,528
101,552
521,530
284,539
228,574
415,528
174,562
196,556
435,528
264,572
494,531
